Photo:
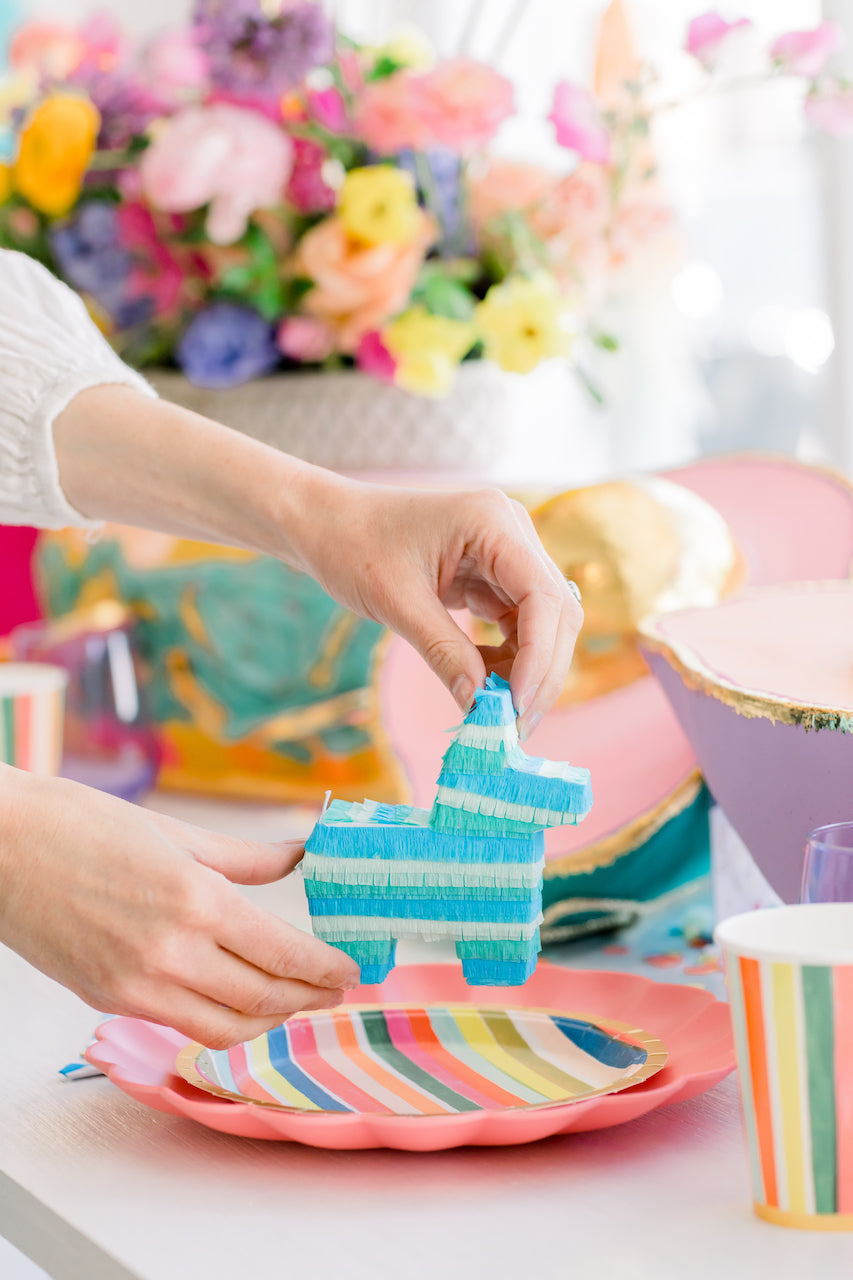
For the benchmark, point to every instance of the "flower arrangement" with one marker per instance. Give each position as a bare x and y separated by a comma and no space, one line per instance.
254,191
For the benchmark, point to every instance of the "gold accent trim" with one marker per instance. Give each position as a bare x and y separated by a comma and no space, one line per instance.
635,833
750,703
656,1058
804,1221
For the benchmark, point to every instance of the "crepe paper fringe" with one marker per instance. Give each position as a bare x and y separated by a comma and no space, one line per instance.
494,844
469,869
487,911
460,811
366,928
523,790
472,877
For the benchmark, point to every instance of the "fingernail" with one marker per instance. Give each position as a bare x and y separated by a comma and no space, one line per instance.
334,998
463,691
528,726
526,700
351,983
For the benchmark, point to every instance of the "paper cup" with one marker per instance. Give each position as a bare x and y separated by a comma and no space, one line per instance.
790,977
32,704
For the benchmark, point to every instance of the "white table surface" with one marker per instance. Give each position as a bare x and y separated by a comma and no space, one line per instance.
95,1186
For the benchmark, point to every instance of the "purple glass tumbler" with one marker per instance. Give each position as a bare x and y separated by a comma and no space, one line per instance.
828,867
109,742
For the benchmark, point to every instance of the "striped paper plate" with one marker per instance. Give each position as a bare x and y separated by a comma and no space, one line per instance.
426,1060
139,1057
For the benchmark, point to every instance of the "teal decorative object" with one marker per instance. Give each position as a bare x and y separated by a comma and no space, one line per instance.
469,869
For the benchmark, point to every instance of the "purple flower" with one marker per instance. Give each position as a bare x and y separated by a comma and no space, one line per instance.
227,344
125,104
90,257
251,52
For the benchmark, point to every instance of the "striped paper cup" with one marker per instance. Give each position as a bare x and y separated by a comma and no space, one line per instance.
790,977
32,704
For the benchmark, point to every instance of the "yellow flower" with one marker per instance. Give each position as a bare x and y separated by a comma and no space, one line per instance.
427,350
523,322
55,147
378,205
5,183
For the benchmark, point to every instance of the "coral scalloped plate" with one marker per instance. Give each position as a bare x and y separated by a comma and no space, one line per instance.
140,1058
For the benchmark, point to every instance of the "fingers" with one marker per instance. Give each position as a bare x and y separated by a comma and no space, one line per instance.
229,980
241,861
442,644
280,950
250,861
204,1020
548,621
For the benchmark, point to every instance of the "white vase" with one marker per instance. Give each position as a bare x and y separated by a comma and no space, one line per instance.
492,425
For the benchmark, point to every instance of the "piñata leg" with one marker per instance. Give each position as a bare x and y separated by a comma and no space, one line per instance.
496,963
375,957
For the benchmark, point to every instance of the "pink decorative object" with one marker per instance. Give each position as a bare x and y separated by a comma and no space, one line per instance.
578,123
18,601
225,156
357,287
139,1057
806,53
373,357
708,35
304,339
632,777
830,107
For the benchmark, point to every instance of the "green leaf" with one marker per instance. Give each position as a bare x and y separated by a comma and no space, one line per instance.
443,296
384,67
606,341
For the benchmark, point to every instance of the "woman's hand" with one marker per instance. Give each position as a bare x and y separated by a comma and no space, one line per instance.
406,556
136,913
401,556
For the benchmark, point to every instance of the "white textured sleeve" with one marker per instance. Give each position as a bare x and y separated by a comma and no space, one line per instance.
50,350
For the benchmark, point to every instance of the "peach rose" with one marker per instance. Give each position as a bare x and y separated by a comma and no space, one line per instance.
356,286
504,186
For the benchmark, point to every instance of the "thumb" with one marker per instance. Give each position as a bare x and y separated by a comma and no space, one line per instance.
443,645
249,861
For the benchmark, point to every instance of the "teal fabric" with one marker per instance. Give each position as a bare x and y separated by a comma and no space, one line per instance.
677,854
264,627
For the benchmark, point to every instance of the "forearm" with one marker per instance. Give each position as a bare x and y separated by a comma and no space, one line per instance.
126,458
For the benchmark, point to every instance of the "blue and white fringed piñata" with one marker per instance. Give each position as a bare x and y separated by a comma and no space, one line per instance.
468,869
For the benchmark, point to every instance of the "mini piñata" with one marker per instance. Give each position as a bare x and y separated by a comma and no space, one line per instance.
469,869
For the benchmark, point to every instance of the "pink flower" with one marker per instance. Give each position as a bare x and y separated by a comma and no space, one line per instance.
305,339
357,287
173,62
459,105
46,49
806,53
374,358
708,34
830,108
307,189
504,186
156,274
328,109
391,116
230,158
578,123
466,102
